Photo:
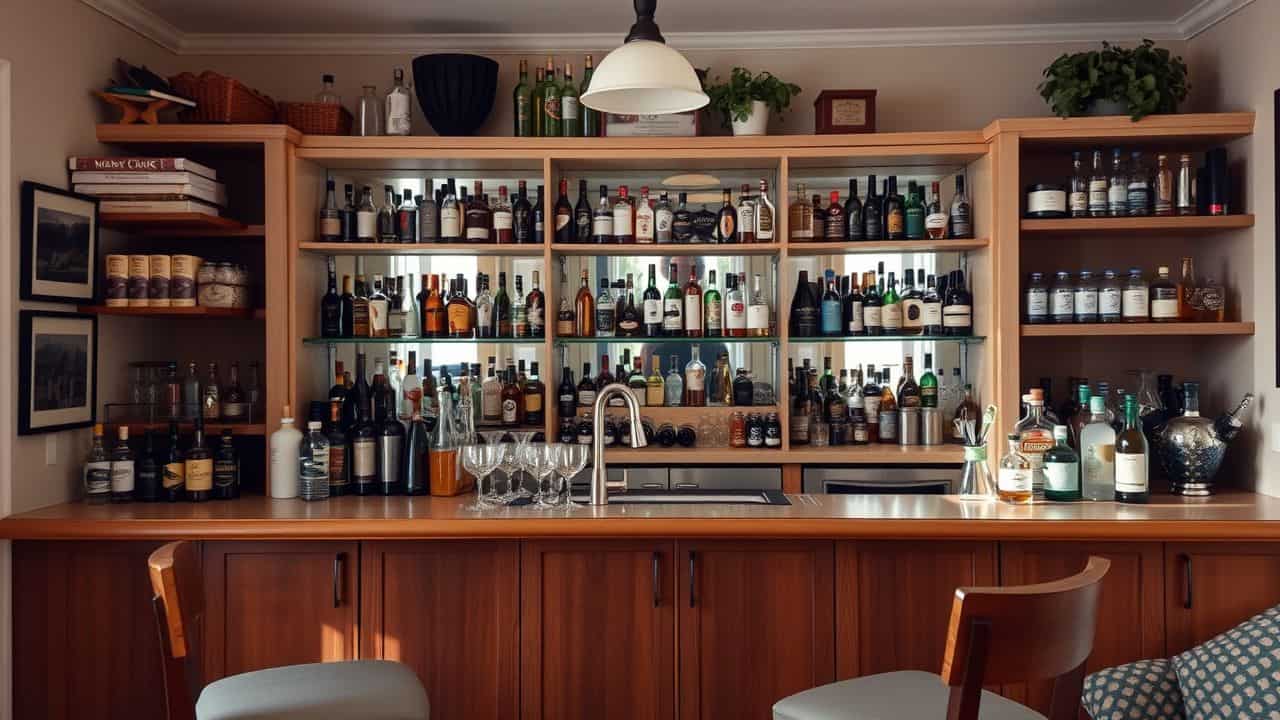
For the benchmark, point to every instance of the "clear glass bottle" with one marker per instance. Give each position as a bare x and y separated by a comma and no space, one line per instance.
674,384
368,120
1164,190
1110,297
1118,189
97,471
326,95
1139,187
1061,469
606,310
1135,300
1035,437
765,213
695,380
1185,191
1097,187
1078,199
313,469
1164,297
801,216
1014,482
1062,299
398,105
1098,453
1086,298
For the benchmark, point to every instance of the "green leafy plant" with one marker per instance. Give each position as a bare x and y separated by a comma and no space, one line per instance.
733,98
1146,79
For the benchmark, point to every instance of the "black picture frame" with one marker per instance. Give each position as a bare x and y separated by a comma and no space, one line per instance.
71,220
33,420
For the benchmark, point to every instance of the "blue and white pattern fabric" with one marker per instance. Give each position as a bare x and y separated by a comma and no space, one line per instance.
1236,675
1142,690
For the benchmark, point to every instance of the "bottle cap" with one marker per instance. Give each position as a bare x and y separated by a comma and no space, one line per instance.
124,432
313,425
1059,432
1097,404
286,414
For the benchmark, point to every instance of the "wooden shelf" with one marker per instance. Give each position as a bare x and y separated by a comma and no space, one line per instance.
877,453
416,249
961,339
187,224
197,311
1136,225
867,247
210,428
420,341
667,249
196,134
1138,329
1183,129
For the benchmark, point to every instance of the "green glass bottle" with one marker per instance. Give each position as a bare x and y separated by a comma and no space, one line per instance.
551,101
570,107
591,125
1061,469
1131,457
928,384
522,104
537,99
914,212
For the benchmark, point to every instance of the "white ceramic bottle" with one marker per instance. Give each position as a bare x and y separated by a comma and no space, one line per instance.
285,444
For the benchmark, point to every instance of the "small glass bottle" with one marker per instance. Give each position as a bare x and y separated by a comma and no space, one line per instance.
398,105
1139,188
1061,469
1037,300
1086,298
1135,301
1164,191
1110,297
1013,484
327,96
1164,297
1062,299
368,120
1185,191
674,384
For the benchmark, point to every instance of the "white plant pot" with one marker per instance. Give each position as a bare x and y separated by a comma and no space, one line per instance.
756,123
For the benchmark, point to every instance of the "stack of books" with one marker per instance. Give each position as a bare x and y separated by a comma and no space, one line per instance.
149,185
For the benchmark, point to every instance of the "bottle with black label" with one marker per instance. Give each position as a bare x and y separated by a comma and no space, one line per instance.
174,473
148,467
199,466
957,309
226,469
804,309
566,395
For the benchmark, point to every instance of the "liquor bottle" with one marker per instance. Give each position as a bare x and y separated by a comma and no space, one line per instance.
428,215
519,311
764,215
966,411
836,226
734,307
961,212
957,308
536,309
745,216
914,213
1035,436
534,398
379,307
410,388
851,214
503,218
537,217
486,309
673,384
570,106
652,305
146,480
819,217
606,310
935,219
386,220
891,310
872,305
171,466
872,217
366,217
895,219
928,384
726,230
521,103
663,217
362,438
910,394
655,388
1078,197
1098,191
330,229
1138,191
580,230
586,391
478,217
211,397
226,469
629,318
1061,469
551,117
1014,483
831,312
433,312
359,309
693,305
591,124
712,308
1118,187
562,214
695,380
1186,202
623,227
1186,291
888,412
801,216
1131,457
339,477
585,310
602,219
458,309
450,215
605,377
682,221
637,385
912,305
397,105
235,407
757,307
198,466
804,309
1135,300
331,306
566,395
673,306
406,219
644,215
347,215
851,308
1164,297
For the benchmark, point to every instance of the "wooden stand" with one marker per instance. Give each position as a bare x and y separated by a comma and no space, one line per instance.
134,108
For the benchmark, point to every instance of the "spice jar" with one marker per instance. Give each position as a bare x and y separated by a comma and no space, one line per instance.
737,430
1046,200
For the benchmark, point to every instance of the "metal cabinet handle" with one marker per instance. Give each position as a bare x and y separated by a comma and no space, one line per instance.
692,580
657,574
339,559
1186,579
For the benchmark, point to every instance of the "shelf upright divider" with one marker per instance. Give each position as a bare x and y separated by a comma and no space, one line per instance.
782,235
550,308
1004,354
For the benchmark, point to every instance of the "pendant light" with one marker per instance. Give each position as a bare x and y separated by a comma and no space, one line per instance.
644,76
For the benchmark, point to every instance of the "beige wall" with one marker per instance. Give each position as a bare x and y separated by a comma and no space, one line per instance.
1245,60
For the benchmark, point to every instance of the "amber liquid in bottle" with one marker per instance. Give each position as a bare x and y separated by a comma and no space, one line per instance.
584,306
433,318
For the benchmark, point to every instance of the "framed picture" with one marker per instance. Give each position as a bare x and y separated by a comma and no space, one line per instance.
57,371
59,244
844,111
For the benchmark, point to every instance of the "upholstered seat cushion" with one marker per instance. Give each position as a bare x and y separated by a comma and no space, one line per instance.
1146,689
1236,674
890,696
366,689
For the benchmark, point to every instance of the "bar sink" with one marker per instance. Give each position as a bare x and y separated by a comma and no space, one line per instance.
695,497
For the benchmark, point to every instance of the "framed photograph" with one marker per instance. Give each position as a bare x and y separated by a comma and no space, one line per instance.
59,244
57,371
844,111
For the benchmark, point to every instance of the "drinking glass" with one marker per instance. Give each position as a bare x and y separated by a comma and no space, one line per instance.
570,459
493,439
474,460
542,463
522,438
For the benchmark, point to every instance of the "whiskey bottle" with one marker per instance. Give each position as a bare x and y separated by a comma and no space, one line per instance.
534,397
1164,297
198,466
872,306
746,212
895,219
226,469
935,219
726,230
331,306
330,218
765,215
459,310
645,218
931,310
360,310
957,308
961,212
379,307
819,217
235,408
1138,192
339,472
347,215
386,220
801,216
586,391
434,324
584,308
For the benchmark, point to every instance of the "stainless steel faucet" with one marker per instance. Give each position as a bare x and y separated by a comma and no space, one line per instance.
600,485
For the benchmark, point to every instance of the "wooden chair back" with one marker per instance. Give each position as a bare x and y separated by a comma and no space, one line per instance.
1001,635
178,585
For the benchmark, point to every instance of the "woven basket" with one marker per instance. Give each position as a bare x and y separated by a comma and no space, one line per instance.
312,118
222,99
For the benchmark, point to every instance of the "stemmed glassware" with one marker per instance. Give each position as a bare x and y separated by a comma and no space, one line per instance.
541,458
480,461
514,462
570,458
493,439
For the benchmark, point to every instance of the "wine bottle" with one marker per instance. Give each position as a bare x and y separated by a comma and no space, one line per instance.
804,309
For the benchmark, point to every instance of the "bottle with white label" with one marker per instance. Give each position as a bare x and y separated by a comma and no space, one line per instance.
1062,298
1061,469
735,307
122,468
450,216
1013,484
644,219
1131,457
1086,298
1098,453
366,217
1164,298
1110,297
1035,436
1135,300
285,445
97,471
757,310
397,105
1037,300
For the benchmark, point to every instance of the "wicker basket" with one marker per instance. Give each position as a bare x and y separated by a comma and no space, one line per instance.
314,118
222,99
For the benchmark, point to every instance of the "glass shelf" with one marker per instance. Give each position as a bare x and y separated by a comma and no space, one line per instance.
661,340
420,341
963,340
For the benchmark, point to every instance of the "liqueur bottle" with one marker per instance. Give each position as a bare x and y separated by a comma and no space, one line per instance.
1131,457
1061,468
226,469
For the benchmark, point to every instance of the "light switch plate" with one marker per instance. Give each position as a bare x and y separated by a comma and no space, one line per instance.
51,449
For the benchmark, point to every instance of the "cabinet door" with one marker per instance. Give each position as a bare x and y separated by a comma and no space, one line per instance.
1130,606
893,601
755,624
269,604
1212,587
85,642
598,630
449,610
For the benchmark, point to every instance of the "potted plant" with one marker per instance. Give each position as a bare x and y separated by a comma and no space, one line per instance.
1135,81
746,100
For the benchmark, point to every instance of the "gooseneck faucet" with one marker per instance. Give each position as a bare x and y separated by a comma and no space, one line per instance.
600,484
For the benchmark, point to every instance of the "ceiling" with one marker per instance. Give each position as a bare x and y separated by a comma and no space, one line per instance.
297,26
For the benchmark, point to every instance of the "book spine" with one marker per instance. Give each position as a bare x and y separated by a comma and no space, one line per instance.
140,164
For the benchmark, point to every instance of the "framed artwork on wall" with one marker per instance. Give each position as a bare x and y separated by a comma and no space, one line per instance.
57,371
59,244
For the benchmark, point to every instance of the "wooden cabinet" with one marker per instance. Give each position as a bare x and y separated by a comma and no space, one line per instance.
1130,607
278,603
85,643
755,624
1211,587
598,630
449,610
893,601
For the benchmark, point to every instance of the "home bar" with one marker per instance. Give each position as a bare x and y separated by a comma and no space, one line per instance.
504,391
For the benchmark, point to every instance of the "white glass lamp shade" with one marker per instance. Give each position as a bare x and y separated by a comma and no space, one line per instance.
643,77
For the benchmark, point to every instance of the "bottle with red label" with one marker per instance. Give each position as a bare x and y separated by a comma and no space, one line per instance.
1035,437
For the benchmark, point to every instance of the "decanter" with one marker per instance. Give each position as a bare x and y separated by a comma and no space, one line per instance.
1191,448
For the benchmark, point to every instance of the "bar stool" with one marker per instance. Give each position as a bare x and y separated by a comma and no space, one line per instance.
366,689
997,635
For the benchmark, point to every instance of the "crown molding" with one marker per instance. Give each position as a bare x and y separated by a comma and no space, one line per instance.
146,23
1206,14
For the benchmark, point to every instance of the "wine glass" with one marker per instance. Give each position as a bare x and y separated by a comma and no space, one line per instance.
542,463
570,459
473,461
493,438
522,438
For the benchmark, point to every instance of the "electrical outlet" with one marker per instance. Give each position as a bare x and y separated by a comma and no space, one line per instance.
51,449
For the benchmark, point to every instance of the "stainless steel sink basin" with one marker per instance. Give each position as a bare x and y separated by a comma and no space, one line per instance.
695,497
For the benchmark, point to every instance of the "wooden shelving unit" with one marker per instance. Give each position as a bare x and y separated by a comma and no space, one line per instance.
1137,225
668,249
211,429
199,311
1139,329
441,249
871,247
188,224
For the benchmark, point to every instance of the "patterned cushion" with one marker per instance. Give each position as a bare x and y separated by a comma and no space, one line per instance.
1235,675
1142,690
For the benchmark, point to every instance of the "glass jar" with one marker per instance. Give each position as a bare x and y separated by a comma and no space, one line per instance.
1037,300
1062,298
1046,200
368,120
1110,297
1086,302
1135,302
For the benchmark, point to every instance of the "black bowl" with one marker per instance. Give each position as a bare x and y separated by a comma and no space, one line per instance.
455,91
